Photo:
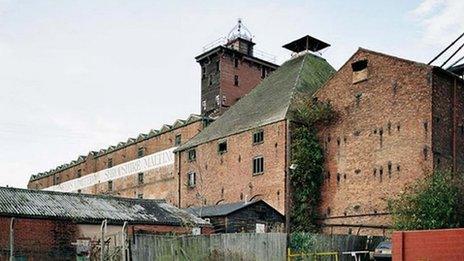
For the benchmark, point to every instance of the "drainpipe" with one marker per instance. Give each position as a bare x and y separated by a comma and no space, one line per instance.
102,240
454,127
12,221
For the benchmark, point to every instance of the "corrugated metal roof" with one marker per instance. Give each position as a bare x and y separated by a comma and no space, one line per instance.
84,208
221,209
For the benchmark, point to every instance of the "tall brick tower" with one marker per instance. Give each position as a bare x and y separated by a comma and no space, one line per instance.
230,68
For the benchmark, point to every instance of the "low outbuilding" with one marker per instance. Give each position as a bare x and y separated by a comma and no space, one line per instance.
45,225
248,217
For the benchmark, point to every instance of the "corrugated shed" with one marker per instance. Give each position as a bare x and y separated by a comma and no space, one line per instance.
83,208
221,209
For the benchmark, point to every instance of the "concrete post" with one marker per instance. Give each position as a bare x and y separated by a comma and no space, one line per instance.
102,240
12,239
124,240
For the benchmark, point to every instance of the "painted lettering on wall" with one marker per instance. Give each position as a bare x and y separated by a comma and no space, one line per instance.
149,162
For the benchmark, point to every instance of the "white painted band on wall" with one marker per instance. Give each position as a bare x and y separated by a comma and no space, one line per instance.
150,162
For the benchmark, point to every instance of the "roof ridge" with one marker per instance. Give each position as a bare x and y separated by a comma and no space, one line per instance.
120,145
102,196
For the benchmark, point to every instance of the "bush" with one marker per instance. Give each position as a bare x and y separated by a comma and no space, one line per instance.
430,203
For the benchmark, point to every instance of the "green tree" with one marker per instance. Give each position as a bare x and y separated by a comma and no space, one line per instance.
430,203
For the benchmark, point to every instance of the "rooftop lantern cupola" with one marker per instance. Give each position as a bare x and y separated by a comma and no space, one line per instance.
240,39
306,44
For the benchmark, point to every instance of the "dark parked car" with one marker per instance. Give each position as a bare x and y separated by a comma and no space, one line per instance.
383,251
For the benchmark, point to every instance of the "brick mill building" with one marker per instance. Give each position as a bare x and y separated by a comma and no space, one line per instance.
244,154
397,120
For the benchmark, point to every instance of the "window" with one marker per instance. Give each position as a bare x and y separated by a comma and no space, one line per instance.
210,80
236,80
178,140
110,185
140,178
258,137
203,71
218,100
140,195
258,165
236,62
217,66
360,72
140,152
192,179
263,72
192,155
222,147
56,179
110,162
79,173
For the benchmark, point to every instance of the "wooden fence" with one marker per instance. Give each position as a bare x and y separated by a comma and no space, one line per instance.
266,246
269,246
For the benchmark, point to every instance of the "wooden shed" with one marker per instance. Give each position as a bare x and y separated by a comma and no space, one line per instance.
247,217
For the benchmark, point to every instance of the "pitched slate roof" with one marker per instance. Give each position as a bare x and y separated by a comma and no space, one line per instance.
221,209
269,101
83,208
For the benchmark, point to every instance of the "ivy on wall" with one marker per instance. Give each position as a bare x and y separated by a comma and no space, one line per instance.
306,177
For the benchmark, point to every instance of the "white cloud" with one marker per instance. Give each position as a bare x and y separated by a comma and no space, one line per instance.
441,20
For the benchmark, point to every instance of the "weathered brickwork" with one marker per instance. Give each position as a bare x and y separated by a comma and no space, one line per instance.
248,73
38,239
157,184
228,177
381,140
228,75
448,120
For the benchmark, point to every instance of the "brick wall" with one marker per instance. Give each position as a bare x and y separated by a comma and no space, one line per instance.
440,244
218,79
249,75
229,177
159,183
38,239
376,146
448,119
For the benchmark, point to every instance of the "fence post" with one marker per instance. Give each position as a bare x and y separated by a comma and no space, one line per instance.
123,239
12,238
102,241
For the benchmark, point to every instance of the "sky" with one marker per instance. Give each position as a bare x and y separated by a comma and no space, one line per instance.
77,76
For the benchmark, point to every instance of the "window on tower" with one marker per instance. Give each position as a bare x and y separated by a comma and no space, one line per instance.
236,80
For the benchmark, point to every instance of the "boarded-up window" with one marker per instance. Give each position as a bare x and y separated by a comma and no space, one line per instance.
360,72
140,178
